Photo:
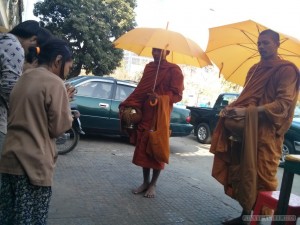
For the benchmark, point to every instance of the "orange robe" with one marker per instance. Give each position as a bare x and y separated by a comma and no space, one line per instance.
275,85
169,82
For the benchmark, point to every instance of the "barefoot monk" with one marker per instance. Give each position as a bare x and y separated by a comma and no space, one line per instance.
160,78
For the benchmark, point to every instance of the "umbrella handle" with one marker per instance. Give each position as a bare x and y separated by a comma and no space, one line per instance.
159,66
153,103
153,99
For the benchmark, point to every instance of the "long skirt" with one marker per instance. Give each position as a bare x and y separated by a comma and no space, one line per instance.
22,203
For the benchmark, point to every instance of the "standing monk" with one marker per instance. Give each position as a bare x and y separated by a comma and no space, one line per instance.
248,139
169,81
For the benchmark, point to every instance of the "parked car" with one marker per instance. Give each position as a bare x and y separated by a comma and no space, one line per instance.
291,144
205,120
98,100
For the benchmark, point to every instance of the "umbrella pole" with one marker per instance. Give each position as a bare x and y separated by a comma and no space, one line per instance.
220,71
157,71
159,66
154,103
160,61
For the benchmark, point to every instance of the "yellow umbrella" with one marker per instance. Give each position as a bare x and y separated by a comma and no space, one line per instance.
182,50
233,48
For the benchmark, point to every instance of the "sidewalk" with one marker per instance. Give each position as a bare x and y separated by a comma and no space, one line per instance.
92,186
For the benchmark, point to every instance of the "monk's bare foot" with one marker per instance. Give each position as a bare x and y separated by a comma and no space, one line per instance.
140,189
150,193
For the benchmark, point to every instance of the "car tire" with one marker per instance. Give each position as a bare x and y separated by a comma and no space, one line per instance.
287,148
203,133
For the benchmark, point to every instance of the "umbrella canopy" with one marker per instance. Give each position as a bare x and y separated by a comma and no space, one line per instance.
182,50
233,48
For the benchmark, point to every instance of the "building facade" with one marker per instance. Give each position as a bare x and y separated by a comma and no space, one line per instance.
10,13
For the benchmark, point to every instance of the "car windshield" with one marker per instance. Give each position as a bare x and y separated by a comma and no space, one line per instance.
297,111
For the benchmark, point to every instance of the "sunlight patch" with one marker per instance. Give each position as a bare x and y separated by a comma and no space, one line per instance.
200,152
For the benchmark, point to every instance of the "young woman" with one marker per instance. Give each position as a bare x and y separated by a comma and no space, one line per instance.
13,46
42,37
39,112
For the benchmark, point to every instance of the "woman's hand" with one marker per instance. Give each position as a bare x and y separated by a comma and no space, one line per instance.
71,91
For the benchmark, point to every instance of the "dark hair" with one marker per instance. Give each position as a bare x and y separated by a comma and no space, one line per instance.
26,29
43,36
50,50
159,49
274,35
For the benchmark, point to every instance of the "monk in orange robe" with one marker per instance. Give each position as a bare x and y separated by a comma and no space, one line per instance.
248,139
169,81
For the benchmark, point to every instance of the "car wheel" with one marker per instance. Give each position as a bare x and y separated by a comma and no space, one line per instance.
203,133
287,148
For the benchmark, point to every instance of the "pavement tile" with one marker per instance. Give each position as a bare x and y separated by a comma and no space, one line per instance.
93,183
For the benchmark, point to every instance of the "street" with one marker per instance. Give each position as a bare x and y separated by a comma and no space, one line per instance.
92,186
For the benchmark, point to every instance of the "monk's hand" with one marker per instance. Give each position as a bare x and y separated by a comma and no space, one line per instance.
240,112
236,112
121,109
224,112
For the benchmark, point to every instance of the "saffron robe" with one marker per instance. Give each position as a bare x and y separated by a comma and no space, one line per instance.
158,145
169,82
274,85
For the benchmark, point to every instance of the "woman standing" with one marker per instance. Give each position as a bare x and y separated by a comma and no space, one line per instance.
39,112
13,46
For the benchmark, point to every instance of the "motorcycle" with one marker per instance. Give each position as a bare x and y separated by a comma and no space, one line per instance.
69,140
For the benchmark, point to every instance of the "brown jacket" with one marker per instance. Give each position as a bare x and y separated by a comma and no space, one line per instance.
39,112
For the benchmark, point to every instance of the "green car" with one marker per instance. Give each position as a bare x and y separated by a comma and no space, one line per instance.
291,144
98,100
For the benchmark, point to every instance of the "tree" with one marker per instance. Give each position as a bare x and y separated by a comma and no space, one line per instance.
90,27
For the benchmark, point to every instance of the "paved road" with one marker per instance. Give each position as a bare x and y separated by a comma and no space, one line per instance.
92,186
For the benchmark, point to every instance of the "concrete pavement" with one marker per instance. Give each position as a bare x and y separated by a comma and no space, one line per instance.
92,186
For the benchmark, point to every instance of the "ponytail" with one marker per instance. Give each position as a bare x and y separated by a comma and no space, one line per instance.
32,54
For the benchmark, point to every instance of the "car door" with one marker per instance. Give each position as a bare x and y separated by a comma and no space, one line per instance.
122,91
93,100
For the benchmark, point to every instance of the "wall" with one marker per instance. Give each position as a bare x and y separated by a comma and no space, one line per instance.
10,13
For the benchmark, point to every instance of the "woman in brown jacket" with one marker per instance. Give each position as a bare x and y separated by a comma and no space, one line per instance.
39,112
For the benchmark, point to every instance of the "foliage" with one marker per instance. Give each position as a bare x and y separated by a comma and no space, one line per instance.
122,73
90,27
203,85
